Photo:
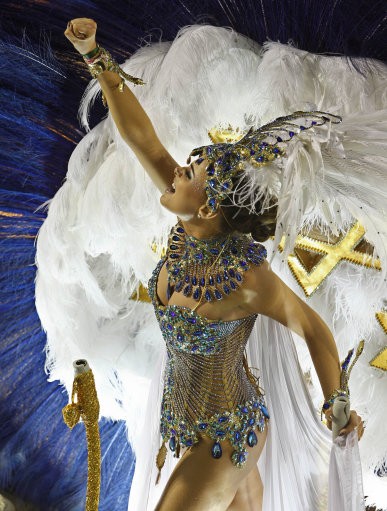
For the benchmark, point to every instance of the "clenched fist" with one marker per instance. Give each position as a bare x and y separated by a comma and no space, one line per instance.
81,33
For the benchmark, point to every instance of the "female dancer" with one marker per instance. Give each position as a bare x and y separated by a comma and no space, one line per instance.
208,386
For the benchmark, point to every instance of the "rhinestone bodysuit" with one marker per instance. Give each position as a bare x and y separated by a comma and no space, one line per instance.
206,388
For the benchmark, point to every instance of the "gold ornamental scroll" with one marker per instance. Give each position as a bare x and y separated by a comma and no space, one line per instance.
86,407
380,360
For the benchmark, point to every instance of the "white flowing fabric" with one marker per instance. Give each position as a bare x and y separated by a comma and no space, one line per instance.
97,245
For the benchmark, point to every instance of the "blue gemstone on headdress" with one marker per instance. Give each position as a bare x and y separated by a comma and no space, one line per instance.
209,349
225,261
173,247
243,263
264,144
214,251
251,421
225,275
188,442
180,337
179,285
175,271
172,443
191,320
238,276
212,183
302,128
252,439
244,409
169,326
198,333
199,161
208,295
180,229
314,123
194,280
260,158
232,284
223,419
211,280
255,405
218,294
210,170
237,436
212,203
175,238
202,282
276,150
202,425
186,279
174,256
194,348
218,279
187,290
216,450
199,256
252,152
196,294
279,139
231,272
172,313
226,289
220,433
291,134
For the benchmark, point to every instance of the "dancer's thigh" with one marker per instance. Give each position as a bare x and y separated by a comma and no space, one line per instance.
249,495
200,482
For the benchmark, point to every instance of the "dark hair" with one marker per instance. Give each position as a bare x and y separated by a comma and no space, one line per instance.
239,218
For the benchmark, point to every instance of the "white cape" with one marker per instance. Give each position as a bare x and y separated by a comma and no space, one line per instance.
95,248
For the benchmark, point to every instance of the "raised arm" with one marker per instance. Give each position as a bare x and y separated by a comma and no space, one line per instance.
131,119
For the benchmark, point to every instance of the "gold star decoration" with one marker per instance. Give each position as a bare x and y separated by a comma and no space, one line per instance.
380,360
314,259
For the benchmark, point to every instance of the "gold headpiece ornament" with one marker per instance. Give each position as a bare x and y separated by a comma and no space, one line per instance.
257,147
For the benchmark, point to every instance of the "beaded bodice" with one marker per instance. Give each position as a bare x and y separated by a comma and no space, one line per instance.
206,389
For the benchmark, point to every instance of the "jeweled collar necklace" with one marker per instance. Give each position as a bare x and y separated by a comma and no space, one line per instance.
209,268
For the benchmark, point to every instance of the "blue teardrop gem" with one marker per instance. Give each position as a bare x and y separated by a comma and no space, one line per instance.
302,128
196,294
179,285
202,281
186,279
279,139
214,251
223,419
251,421
291,134
172,443
220,433
175,238
216,450
176,271
226,289
180,229
187,290
191,320
203,425
264,410
244,409
225,275
252,439
237,436
194,280
231,272
211,280
218,279
232,284
208,295
276,150
199,256
194,348
174,256
218,294
241,458
180,337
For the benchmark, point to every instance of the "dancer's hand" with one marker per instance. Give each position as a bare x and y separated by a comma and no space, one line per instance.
81,33
355,421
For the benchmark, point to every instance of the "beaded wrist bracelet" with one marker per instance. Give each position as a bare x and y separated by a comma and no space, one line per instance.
344,378
100,60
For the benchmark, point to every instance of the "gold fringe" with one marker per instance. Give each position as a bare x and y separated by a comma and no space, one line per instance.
254,380
160,460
